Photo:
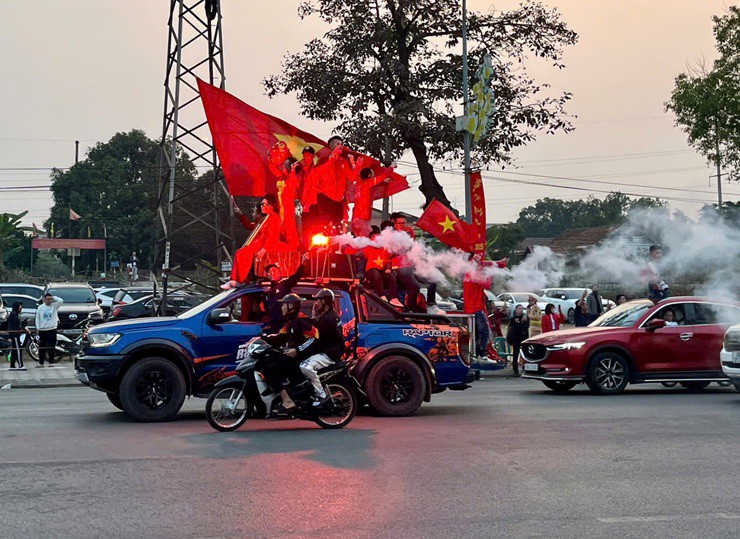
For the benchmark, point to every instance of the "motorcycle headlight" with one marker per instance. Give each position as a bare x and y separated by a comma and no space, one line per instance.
98,340
566,346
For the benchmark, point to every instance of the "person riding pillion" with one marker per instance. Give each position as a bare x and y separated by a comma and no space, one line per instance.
300,341
331,342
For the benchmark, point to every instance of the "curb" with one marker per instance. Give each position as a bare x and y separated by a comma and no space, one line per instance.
45,384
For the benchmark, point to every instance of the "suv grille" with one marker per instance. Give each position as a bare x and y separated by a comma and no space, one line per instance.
534,352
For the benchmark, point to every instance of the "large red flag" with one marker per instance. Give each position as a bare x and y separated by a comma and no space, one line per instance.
447,227
478,228
244,135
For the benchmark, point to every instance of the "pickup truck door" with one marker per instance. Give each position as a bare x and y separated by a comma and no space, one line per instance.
218,345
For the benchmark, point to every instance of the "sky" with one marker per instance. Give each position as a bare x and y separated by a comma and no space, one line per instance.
86,69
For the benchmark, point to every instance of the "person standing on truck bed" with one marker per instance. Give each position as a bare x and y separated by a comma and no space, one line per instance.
47,321
279,288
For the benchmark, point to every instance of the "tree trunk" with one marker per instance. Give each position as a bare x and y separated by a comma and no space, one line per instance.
430,187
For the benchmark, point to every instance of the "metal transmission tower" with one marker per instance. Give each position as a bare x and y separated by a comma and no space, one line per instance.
191,186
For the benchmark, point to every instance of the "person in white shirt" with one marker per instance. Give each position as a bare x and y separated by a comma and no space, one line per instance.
47,321
670,318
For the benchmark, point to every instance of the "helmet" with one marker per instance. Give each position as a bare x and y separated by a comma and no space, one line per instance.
291,298
325,293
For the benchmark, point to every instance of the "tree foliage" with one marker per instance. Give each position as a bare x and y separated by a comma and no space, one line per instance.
550,217
390,72
706,102
11,234
503,240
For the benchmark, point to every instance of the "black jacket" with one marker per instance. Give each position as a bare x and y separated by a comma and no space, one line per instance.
298,333
278,290
14,321
518,330
331,338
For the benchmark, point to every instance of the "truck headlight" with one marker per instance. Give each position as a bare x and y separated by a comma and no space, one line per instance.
566,346
99,340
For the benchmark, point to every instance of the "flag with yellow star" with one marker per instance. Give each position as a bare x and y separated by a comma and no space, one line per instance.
442,223
244,135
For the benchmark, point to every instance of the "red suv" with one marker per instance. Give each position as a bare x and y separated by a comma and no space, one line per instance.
636,343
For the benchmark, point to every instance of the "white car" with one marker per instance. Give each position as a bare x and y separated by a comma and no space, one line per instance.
567,298
106,295
730,355
512,299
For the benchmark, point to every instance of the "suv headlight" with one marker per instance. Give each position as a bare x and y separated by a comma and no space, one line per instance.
732,340
98,340
566,346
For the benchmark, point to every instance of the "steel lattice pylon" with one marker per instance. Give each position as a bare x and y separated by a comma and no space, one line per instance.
187,206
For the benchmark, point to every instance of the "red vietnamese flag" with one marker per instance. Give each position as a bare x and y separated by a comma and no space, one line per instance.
478,227
244,135
447,227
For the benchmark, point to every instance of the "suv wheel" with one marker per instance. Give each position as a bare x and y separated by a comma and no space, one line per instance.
153,389
559,386
571,316
395,387
608,374
695,386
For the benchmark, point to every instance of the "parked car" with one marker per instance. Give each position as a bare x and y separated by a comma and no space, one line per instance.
633,344
29,307
147,306
512,299
442,303
23,289
106,295
147,367
79,303
730,355
130,294
568,298
4,312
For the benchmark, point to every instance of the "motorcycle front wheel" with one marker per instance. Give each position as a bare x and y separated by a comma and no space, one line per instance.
340,409
227,408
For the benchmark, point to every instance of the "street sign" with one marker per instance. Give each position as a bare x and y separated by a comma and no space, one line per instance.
115,264
226,266
73,251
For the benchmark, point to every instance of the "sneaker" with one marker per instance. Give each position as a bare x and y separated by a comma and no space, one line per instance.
320,401
483,361
396,303
39,365
433,309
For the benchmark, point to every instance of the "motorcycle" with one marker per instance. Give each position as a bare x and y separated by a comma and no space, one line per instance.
246,395
65,346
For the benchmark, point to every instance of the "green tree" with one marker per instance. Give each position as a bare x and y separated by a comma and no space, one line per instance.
550,217
390,72
706,102
503,240
11,234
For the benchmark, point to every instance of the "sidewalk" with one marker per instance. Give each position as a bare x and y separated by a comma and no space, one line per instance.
60,375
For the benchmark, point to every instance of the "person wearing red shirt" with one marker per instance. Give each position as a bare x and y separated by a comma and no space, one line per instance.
363,209
551,320
474,298
331,175
378,275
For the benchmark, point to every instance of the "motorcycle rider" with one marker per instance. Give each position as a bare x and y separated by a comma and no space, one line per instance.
331,342
300,340
279,288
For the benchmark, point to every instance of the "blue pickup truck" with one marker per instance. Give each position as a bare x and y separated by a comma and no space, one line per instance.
147,367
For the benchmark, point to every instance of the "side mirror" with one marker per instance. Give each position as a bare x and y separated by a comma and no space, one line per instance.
218,316
100,301
655,323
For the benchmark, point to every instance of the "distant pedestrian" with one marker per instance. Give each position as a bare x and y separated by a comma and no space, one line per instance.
134,267
620,299
552,320
595,303
534,314
580,315
657,287
517,333
47,321
15,329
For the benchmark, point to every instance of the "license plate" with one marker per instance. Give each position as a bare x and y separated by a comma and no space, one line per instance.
72,331
736,357
531,367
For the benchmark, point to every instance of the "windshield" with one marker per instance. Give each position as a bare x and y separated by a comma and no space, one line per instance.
206,304
622,316
74,295
573,294
521,298
24,290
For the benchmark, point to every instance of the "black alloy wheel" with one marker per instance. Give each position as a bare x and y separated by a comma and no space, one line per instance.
395,387
608,374
153,389
559,386
340,409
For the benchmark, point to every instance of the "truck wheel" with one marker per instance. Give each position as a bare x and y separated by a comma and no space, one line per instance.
395,387
695,386
115,400
571,316
608,374
559,386
152,390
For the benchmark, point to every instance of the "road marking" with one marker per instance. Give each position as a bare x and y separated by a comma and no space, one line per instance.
669,518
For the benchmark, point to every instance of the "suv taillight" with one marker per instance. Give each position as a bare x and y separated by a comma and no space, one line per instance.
116,311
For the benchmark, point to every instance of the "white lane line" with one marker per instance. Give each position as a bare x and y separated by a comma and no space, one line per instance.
669,518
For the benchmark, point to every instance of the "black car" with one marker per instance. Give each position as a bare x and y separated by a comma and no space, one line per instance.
79,303
130,294
148,306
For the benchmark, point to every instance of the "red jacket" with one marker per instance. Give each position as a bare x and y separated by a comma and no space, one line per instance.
474,295
551,322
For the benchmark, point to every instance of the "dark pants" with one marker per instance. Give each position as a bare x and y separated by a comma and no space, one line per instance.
407,280
383,284
279,367
515,348
47,344
16,354
482,334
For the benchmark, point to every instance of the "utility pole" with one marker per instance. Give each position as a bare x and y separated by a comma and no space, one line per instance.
466,133
719,177
77,151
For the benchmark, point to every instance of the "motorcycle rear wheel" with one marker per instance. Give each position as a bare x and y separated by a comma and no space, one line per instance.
340,409
227,408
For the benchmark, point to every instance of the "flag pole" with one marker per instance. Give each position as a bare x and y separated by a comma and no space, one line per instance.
466,133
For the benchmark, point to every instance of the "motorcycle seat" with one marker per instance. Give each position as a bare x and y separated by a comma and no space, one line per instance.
334,367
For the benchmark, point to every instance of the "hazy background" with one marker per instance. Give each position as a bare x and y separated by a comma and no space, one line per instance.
86,69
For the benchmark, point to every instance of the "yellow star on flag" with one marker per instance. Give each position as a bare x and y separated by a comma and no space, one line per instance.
296,145
379,262
447,224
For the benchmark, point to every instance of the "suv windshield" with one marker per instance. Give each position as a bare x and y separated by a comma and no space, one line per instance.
74,295
206,304
622,316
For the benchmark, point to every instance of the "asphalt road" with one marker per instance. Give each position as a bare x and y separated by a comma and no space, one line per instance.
503,459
